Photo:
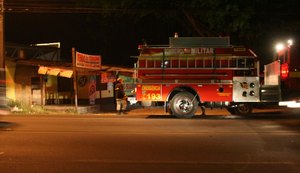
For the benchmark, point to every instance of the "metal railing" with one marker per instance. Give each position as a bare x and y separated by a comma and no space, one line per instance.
196,62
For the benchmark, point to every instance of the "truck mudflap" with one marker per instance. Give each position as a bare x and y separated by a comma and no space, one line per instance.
290,104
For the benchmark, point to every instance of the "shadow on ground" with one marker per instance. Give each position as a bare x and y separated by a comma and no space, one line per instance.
274,115
6,125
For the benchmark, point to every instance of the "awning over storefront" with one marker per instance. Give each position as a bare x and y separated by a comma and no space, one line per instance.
55,71
66,69
67,72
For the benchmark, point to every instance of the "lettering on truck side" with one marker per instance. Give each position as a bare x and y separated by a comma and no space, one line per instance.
181,51
151,92
205,51
151,87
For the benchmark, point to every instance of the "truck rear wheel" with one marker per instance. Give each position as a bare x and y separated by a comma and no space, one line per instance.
183,105
243,109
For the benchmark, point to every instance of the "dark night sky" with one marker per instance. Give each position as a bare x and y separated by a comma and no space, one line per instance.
116,43
71,30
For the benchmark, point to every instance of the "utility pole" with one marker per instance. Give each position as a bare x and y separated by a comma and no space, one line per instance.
2,57
75,79
2,34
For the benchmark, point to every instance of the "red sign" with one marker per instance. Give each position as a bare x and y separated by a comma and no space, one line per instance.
88,61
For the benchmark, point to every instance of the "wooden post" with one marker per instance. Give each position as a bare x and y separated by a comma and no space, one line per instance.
75,78
42,82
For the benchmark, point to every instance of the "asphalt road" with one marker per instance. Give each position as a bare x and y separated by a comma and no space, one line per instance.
265,143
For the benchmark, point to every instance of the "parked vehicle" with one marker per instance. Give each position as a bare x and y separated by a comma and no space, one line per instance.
196,71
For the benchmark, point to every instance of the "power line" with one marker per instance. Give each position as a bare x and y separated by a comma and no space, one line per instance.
70,6
56,6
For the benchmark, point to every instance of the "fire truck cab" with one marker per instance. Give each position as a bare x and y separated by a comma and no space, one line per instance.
195,71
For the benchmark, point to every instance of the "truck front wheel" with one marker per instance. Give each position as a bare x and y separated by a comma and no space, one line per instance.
183,105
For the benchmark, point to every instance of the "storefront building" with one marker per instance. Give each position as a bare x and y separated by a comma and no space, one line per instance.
42,82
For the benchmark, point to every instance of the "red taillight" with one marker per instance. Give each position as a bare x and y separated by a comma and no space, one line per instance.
284,71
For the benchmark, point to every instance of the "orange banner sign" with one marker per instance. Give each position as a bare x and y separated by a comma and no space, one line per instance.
88,61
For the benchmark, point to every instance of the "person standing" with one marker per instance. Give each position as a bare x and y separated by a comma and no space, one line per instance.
121,98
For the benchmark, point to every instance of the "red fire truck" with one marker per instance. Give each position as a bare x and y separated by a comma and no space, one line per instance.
193,71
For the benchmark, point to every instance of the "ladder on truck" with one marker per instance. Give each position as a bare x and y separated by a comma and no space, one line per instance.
180,61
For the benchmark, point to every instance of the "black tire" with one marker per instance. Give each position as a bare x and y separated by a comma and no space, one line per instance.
243,109
183,105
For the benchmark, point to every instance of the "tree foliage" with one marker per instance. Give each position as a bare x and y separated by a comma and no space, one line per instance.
246,22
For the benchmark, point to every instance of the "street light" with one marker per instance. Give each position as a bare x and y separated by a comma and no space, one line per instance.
279,47
290,42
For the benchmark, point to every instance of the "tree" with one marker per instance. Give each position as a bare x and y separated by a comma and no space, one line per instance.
246,22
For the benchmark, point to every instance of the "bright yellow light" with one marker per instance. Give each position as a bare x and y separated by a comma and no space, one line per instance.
279,47
290,42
